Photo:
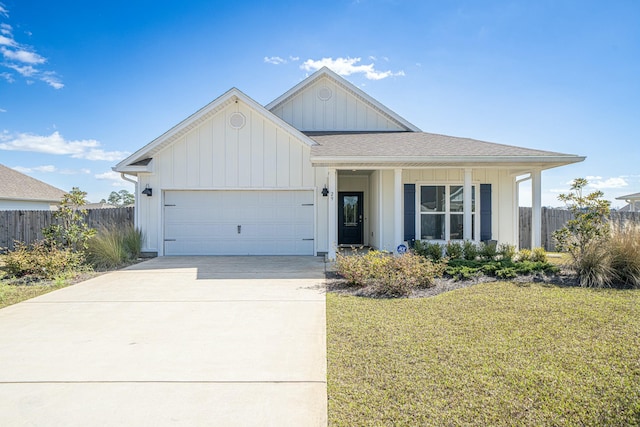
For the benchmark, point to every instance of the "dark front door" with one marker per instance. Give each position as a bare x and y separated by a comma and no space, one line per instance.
350,231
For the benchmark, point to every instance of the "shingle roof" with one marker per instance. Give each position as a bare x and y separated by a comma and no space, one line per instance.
422,147
18,186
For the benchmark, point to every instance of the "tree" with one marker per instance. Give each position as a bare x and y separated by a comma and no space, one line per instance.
121,198
71,230
589,224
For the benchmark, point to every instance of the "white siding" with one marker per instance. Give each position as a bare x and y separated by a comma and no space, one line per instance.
260,155
24,205
342,111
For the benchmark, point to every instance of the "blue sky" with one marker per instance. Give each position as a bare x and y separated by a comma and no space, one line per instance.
81,85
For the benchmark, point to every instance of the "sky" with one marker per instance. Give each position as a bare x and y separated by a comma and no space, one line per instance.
84,84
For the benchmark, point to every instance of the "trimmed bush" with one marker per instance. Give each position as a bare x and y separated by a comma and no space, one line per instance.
432,251
41,261
454,250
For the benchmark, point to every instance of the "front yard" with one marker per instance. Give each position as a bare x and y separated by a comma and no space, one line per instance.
492,354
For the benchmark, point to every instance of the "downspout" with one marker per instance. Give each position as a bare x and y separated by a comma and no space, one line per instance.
136,210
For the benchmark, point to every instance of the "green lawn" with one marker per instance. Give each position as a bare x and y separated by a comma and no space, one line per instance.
494,354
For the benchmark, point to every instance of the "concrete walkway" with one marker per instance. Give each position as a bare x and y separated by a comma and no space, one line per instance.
189,341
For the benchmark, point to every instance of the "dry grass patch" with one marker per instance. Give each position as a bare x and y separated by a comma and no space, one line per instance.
494,354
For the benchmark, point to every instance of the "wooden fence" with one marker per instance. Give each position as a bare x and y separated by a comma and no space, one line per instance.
555,219
26,226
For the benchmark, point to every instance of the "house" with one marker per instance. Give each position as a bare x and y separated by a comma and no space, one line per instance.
633,201
21,192
321,166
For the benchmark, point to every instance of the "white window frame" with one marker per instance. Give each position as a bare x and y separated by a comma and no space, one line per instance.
447,212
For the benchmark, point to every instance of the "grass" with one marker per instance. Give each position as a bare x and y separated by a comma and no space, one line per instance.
493,354
13,294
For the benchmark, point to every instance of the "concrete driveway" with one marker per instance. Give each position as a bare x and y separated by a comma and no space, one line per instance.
193,341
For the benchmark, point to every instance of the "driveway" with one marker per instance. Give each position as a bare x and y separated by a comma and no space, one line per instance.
192,341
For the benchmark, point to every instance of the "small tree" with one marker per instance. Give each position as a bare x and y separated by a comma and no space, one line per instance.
71,230
589,224
121,198
583,237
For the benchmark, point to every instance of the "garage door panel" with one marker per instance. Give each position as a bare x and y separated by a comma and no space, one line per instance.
206,222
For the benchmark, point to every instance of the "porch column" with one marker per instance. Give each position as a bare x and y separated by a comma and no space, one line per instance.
536,209
333,213
398,238
466,205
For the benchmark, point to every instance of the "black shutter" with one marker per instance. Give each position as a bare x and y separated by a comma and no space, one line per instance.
409,212
485,212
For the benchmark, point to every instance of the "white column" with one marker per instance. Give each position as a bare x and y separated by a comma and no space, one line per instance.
466,204
333,213
398,237
536,209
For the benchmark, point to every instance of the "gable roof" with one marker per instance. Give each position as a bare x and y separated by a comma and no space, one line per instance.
18,186
349,87
422,148
139,161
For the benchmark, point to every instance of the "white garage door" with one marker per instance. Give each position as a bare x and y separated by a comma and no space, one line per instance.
238,223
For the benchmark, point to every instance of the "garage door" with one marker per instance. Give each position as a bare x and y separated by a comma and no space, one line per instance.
238,223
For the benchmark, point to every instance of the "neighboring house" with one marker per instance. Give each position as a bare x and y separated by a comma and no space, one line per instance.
21,192
321,166
633,201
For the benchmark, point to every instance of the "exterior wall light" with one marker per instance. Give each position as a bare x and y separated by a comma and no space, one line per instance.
147,191
325,191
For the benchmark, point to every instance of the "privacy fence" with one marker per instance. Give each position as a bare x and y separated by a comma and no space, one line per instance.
26,226
555,219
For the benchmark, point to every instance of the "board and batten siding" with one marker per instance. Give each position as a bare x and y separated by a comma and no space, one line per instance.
259,155
327,106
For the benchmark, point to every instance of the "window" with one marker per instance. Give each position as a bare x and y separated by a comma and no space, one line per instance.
442,212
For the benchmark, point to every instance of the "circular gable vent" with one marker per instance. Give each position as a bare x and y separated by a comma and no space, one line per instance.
324,93
237,120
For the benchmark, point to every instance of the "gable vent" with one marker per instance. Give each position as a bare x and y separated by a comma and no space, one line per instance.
237,120
324,93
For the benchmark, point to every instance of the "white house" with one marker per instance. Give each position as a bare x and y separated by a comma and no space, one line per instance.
323,165
21,192
633,201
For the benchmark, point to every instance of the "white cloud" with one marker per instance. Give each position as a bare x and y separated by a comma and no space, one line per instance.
114,177
294,58
52,79
56,144
22,55
275,60
601,184
22,58
44,168
2,110
348,66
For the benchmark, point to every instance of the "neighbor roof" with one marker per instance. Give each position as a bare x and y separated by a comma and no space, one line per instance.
629,196
422,148
18,186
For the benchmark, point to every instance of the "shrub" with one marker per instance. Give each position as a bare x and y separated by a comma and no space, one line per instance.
71,230
432,251
388,275
470,250
454,250
42,261
488,250
507,251
538,255
624,247
114,247
594,266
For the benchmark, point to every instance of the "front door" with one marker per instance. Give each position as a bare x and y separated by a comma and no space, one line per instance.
350,230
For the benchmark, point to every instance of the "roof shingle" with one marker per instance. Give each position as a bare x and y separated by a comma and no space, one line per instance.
18,186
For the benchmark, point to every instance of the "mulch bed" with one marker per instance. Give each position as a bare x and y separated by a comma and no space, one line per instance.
336,284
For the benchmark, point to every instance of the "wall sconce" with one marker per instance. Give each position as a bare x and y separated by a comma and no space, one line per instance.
325,191
147,191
